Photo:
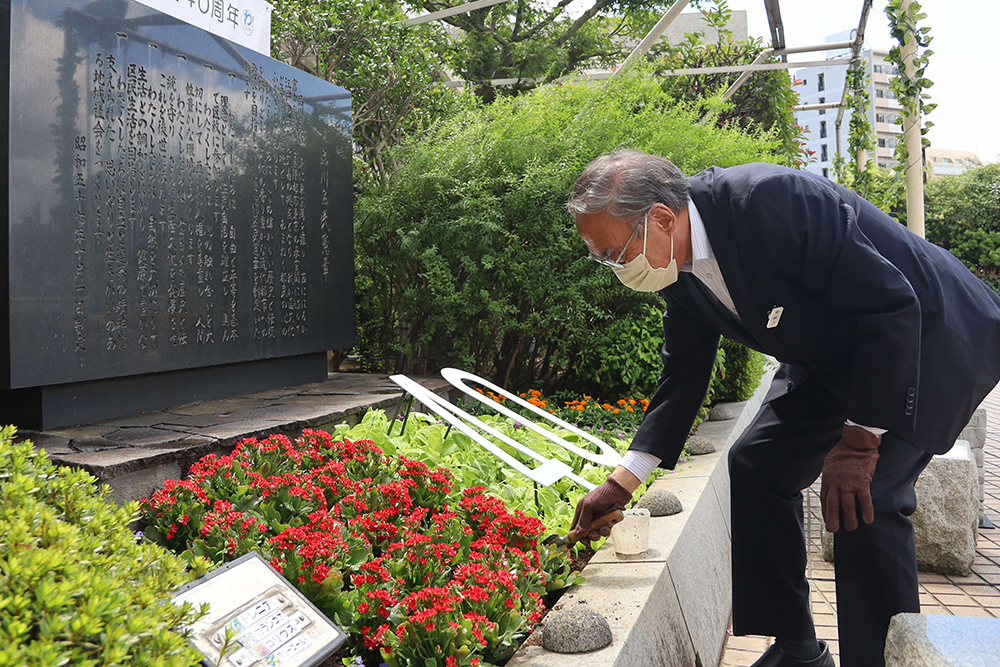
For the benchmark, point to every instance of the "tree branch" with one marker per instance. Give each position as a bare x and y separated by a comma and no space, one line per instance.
579,23
553,15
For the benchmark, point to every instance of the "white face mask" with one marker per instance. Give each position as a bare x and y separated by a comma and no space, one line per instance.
637,274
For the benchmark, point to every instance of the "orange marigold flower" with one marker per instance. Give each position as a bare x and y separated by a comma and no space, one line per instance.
631,401
615,411
606,406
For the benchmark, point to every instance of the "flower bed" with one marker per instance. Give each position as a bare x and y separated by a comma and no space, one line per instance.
415,571
431,441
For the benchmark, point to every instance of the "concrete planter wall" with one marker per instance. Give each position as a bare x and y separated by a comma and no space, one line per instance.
670,606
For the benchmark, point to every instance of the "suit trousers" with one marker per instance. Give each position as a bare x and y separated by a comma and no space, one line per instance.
779,455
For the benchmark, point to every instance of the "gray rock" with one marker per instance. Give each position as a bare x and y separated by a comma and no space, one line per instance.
660,502
697,445
575,629
826,543
947,517
946,521
723,411
919,640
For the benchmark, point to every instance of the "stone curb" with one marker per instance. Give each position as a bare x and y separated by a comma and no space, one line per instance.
670,606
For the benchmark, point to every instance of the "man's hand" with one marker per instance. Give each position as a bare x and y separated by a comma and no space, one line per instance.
614,494
847,478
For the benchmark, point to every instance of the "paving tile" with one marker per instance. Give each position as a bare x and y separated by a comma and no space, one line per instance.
955,600
739,658
934,609
942,588
758,644
972,611
990,591
824,619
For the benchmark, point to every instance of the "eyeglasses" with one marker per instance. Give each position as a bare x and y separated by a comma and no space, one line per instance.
616,263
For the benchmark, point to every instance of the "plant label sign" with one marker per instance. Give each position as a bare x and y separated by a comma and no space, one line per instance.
256,618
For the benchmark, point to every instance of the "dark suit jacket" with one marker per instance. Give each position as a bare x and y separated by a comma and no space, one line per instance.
894,325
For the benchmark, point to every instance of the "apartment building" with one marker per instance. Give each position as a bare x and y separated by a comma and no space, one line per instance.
825,84
945,162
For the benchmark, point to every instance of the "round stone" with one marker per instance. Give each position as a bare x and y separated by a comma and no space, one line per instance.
660,502
575,629
697,445
724,411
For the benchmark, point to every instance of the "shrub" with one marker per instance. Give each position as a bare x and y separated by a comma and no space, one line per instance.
78,588
467,258
743,370
963,215
383,545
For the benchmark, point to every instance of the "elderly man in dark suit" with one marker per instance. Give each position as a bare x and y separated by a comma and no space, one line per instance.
887,344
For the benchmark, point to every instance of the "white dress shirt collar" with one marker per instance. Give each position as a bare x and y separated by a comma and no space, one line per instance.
700,246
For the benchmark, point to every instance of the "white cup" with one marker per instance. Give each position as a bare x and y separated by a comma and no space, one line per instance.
631,536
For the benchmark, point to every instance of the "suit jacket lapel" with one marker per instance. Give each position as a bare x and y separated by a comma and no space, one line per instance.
714,310
752,315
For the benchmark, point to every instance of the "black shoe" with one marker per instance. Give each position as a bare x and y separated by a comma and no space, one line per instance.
775,657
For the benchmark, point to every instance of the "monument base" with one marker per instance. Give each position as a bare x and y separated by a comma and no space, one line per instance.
54,406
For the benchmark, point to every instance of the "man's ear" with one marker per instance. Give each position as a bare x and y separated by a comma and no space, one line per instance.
664,217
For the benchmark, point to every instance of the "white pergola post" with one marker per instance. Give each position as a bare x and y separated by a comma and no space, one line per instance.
914,147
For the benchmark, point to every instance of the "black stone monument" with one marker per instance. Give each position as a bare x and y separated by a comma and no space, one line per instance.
179,215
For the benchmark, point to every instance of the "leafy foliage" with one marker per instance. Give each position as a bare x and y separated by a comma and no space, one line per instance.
392,71
468,259
743,370
77,587
909,90
963,215
536,41
765,99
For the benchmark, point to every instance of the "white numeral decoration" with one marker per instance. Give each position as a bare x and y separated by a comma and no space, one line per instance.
550,470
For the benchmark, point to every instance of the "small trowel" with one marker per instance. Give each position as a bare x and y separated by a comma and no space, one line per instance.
609,519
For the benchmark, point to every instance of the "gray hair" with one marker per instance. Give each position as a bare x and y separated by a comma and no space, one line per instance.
625,184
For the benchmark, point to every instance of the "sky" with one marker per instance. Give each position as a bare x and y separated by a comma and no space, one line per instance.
964,66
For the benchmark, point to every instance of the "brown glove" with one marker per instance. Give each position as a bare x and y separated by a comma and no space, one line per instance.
607,497
847,478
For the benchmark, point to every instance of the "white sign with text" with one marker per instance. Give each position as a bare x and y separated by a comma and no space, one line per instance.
246,22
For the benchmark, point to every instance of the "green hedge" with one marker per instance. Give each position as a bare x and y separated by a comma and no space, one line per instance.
78,588
743,370
963,215
467,257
